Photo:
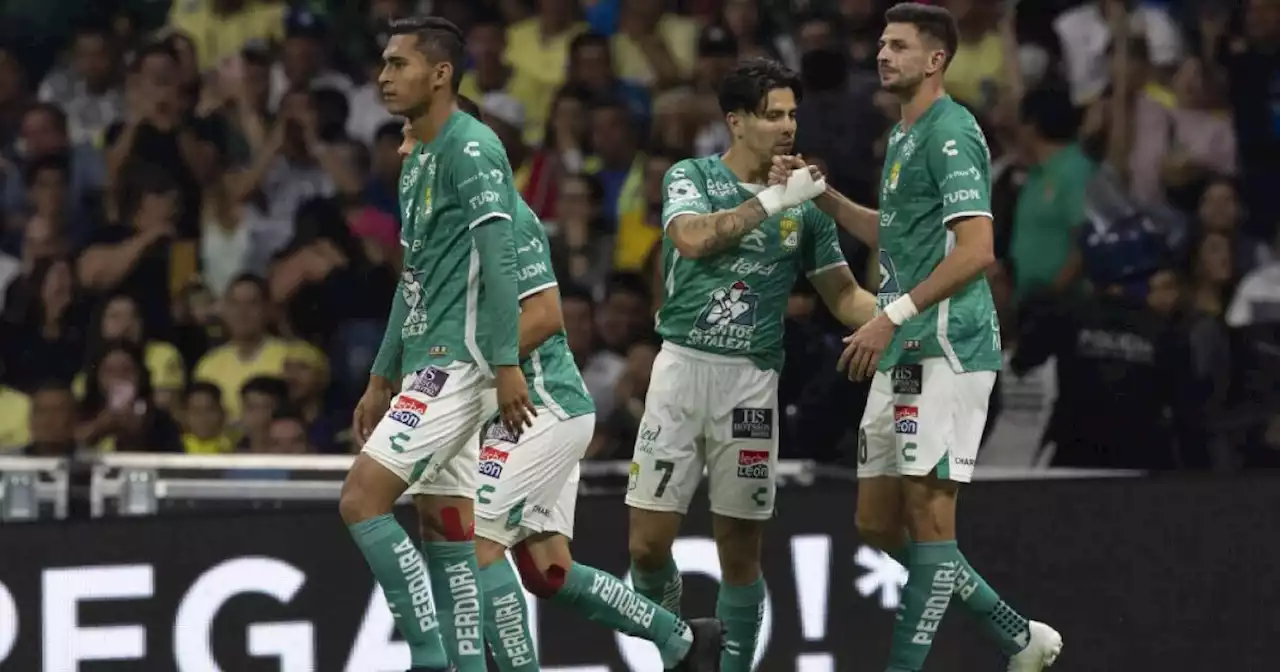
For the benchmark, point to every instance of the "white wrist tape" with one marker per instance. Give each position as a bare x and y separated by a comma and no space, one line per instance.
771,199
901,310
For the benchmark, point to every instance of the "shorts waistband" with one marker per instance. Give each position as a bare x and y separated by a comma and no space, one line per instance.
708,357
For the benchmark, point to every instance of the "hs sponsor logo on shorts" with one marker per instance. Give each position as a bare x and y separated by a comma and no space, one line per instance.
753,423
408,411
430,381
492,461
906,419
907,378
753,464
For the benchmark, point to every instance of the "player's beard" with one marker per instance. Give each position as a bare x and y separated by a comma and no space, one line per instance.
905,86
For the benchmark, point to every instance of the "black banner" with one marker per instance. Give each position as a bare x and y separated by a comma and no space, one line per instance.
1137,575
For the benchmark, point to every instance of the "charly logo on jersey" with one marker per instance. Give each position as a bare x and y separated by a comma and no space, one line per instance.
728,320
415,320
753,241
890,288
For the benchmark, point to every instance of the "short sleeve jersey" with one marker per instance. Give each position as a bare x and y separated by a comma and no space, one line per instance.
459,180
554,380
733,303
936,173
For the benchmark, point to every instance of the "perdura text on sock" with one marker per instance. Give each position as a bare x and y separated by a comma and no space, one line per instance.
466,608
944,581
415,574
612,592
509,616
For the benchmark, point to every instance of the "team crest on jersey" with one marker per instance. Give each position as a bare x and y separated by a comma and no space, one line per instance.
415,321
789,231
728,320
894,172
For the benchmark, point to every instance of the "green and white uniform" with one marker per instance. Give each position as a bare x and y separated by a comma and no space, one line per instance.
456,310
928,401
529,484
713,393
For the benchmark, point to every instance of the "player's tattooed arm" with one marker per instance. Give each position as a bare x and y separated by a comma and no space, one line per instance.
704,235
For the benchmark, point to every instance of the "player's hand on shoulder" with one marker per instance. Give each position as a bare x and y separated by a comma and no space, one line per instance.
514,403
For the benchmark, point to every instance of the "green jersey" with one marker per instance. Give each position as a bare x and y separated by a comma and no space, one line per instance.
733,303
936,173
554,380
457,298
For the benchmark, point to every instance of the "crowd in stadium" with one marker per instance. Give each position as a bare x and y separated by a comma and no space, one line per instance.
200,241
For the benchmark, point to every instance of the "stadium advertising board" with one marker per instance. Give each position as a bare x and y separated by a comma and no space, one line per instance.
1152,575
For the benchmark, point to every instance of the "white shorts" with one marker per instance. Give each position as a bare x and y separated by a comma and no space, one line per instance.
712,411
924,416
530,485
429,423
458,477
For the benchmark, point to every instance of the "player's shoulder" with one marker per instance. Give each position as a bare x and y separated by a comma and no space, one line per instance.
954,119
470,133
691,168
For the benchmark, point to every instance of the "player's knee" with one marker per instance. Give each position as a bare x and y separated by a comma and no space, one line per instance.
355,504
543,583
647,552
930,510
453,527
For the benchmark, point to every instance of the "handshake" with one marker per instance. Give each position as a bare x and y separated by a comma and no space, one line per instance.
791,183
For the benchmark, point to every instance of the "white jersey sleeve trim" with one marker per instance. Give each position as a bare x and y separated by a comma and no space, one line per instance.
824,269
486,217
667,222
539,288
968,213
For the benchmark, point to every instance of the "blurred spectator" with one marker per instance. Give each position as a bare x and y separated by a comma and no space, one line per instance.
688,119
581,239
119,319
505,115
562,151
287,435
305,58
978,71
1257,300
591,69
1252,64
600,368
44,144
863,23
41,241
381,191
742,19
653,48
306,372
14,96
640,230
538,53
1179,142
617,162
221,28
118,412
1050,206
250,350
138,254
15,411
835,107
49,337
624,423
261,397
53,422
1219,211
368,115
625,317
205,421
89,88
486,46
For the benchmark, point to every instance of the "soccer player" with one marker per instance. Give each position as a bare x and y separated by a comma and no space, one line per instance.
732,249
934,349
451,338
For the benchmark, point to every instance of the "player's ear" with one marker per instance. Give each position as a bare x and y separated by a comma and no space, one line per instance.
734,122
937,60
443,74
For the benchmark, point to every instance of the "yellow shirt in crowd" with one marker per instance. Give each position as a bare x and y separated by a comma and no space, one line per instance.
164,365
224,367
218,37
538,69
636,238
678,33
15,419
974,64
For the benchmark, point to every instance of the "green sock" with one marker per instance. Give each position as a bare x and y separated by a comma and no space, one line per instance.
605,599
664,586
506,619
931,578
1001,622
740,608
399,569
454,582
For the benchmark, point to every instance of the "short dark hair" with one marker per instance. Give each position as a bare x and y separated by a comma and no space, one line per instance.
390,130
160,48
1049,110
747,87
202,387
438,39
574,292
59,162
268,385
56,114
934,22
251,279
291,414
588,39
626,282
144,180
